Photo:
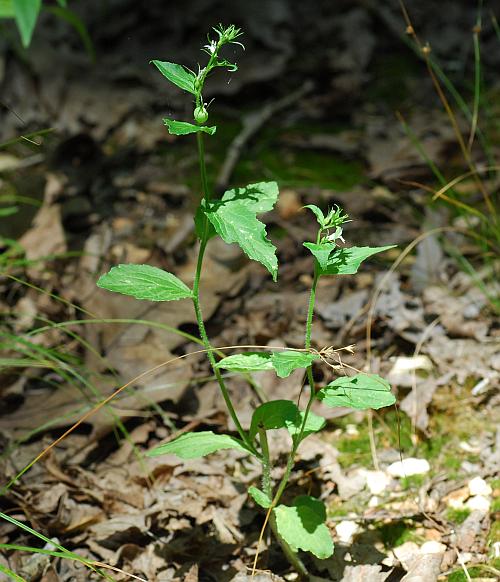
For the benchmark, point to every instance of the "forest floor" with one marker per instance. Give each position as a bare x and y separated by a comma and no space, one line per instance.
109,186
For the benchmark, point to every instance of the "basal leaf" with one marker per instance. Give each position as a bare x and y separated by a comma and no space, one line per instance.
184,128
314,423
321,252
286,362
320,217
361,391
303,526
177,75
259,497
144,282
273,415
234,218
197,444
26,14
347,261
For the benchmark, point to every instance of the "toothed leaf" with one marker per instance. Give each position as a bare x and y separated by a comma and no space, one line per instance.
348,261
234,217
184,128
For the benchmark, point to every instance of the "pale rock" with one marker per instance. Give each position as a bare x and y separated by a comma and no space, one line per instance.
478,486
432,547
377,481
374,501
478,503
496,549
408,467
346,530
406,554
457,498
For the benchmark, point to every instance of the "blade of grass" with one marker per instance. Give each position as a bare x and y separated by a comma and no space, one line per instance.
477,75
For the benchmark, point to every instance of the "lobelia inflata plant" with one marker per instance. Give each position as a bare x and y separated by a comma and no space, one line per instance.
233,217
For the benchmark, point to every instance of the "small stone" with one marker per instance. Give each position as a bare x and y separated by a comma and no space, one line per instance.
433,535
374,501
346,531
433,547
409,467
457,498
478,486
377,481
478,503
351,430
406,554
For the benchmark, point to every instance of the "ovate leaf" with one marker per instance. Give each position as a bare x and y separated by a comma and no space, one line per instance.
347,261
321,252
274,414
234,218
177,75
314,423
303,526
286,362
26,14
184,128
249,362
259,497
144,282
197,444
361,391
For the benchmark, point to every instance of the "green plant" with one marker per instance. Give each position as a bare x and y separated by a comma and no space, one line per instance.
26,12
233,217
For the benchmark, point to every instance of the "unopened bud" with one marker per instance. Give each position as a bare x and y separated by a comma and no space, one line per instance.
200,114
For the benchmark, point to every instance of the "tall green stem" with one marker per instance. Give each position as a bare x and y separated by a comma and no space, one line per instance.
310,378
197,306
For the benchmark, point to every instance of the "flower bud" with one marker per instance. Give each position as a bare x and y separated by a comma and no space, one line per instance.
200,114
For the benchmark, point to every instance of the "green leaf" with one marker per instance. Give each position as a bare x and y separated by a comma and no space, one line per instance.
321,252
77,23
198,444
7,9
303,526
273,415
4,569
320,217
259,497
286,362
8,211
361,391
26,14
184,128
144,282
347,261
177,75
314,423
249,362
234,219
